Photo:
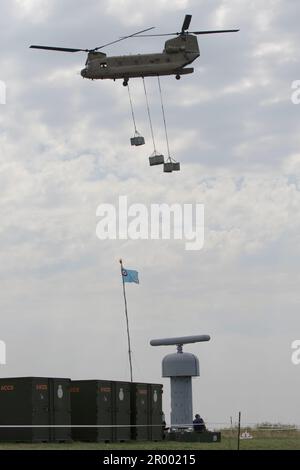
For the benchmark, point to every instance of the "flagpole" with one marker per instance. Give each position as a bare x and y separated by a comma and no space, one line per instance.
127,323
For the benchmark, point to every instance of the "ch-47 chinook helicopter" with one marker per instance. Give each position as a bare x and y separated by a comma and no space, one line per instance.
177,54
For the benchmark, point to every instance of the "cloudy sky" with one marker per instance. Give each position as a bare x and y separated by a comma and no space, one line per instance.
64,149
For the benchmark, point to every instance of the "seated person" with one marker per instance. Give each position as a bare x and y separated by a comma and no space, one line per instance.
198,424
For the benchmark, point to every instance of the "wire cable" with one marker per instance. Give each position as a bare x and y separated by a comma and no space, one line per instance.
164,117
132,111
149,115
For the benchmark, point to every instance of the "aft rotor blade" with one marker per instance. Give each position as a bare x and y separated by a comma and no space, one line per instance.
60,49
186,23
122,39
190,32
215,32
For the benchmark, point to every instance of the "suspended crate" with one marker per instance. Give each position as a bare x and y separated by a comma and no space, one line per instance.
171,165
137,140
176,166
156,159
168,167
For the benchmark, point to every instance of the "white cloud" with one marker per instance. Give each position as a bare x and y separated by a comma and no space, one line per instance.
36,11
131,13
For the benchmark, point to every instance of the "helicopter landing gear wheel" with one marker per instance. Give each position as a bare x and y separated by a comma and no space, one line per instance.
125,83
178,77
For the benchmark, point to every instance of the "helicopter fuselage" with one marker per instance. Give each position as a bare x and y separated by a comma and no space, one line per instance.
178,53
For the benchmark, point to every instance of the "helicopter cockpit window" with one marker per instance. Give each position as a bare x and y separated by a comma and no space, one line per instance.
103,65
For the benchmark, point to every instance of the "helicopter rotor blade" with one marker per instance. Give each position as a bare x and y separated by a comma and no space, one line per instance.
69,49
122,39
215,32
188,32
59,49
186,23
138,34
156,35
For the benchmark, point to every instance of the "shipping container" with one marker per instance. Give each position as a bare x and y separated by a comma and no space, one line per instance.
122,411
146,412
156,160
140,411
116,411
102,405
35,404
156,413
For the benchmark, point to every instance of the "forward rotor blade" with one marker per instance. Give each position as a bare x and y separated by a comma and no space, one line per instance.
68,49
156,35
60,49
122,39
186,23
215,32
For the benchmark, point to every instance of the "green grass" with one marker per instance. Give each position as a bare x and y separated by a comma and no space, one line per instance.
267,440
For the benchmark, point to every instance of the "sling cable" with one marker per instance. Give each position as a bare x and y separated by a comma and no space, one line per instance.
138,139
171,164
156,158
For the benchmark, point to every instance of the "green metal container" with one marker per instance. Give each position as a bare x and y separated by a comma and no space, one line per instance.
91,405
32,402
122,411
168,167
140,412
137,140
116,411
156,160
146,407
102,405
176,166
156,414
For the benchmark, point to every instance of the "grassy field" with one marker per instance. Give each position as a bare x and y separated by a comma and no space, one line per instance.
263,440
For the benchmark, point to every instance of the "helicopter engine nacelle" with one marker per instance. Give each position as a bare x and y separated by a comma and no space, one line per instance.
183,43
92,61
94,55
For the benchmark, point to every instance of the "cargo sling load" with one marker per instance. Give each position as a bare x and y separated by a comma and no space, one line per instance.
137,139
178,53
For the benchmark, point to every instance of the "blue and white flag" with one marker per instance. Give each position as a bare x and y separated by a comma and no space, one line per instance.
130,276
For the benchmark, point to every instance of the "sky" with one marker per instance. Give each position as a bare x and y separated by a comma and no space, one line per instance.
65,149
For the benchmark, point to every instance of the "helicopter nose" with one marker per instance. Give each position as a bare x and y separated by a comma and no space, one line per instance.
83,73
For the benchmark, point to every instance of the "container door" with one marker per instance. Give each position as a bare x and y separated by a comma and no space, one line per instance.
104,411
15,408
141,411
61,409
40,410
155,395
84,398
121,411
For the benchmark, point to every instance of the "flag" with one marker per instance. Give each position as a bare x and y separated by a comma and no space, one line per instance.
130,276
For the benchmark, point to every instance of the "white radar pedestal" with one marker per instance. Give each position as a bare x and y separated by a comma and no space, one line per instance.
181,367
